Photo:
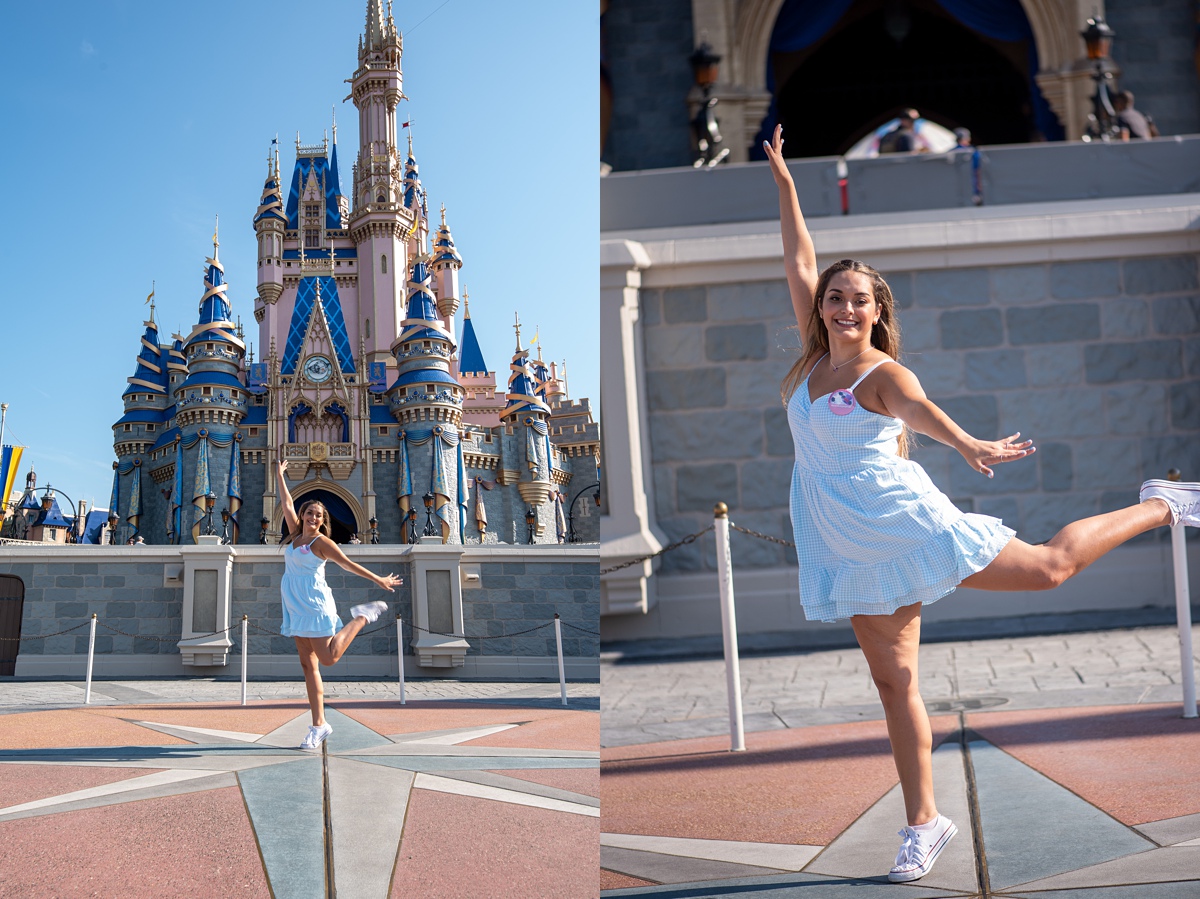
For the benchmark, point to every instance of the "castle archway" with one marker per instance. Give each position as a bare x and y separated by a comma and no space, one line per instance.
1054,48
345,514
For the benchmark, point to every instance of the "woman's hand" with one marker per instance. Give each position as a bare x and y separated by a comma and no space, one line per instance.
281,466
389,582
774,151
982,453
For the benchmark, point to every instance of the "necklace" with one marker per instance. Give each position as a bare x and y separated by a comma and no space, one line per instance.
847,362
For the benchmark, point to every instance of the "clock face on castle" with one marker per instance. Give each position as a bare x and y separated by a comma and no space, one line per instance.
317,369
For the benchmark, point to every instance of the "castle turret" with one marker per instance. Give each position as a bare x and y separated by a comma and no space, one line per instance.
426,400
446,264
147,402
526,411
270,224
212,400
379,224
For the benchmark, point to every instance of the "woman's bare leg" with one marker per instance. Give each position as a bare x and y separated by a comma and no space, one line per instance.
312,678
891,644
1021,566
330,649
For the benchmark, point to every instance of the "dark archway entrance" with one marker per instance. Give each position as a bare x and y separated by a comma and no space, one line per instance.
12,603
883,56
342,522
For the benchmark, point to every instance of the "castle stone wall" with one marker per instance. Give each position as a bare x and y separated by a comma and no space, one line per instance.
519,588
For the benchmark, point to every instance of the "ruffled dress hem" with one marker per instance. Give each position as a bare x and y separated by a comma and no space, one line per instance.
974,541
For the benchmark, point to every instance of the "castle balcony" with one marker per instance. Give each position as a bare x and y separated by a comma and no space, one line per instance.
338,459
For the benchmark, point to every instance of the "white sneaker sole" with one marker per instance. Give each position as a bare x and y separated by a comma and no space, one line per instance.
317,745
934,852
1155,489
369,610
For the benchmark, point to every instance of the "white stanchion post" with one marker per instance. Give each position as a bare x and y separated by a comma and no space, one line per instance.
1183,615
733,677
400,656
245,647
562,675
1183,611
87,693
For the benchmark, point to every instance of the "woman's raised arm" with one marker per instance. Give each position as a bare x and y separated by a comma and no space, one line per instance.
285,499
799,256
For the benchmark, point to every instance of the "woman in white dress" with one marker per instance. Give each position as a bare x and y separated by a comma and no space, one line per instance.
876,540
309,614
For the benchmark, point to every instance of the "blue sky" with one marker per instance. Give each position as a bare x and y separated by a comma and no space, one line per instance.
129,125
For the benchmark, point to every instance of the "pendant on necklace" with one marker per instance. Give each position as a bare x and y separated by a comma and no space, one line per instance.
842,402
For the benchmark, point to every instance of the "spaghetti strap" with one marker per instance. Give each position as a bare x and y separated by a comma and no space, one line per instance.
811,370
868,371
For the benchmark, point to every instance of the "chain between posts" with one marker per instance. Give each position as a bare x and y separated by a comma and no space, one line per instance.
690,538
767,537
258,630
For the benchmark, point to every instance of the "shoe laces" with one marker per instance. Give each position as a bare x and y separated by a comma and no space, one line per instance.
911,849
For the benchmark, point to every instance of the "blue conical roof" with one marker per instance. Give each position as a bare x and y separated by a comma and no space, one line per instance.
150,373
470,357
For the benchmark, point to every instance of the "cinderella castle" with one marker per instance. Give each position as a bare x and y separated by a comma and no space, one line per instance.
380,411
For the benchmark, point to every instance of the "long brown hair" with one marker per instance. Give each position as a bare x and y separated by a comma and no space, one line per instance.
323,529
885,333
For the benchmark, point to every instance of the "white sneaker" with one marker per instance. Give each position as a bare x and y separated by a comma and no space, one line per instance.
316,736
369,610
920,850
1182,496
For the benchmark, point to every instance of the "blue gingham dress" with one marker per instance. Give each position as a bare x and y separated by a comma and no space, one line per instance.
308,607
872,532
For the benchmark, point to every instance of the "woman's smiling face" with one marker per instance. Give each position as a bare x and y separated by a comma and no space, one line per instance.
848,307
313,517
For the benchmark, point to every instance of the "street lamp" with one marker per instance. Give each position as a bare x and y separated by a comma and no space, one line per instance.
112,528
412,525
262,534
530,521
210,500
428,500
225,525
705,129
1098,38
573,537
374,523
49,494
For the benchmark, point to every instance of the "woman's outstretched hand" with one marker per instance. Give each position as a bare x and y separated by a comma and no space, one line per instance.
982,453
390,582
774,151
281,466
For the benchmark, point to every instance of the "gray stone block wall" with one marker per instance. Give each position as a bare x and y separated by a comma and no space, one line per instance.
1098,361
646,48
1154,47
512,611
500,616
127,597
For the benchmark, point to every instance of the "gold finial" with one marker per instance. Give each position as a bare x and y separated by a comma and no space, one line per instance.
466,303
517,326
443,215
216,226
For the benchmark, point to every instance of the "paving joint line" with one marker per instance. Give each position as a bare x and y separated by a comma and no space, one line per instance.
981,868
330,885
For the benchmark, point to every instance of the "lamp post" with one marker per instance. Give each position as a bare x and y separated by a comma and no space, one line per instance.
210,500
1102,123
374,523
112,528
49,493
530,521
573,537
429,530
262,534
706,130
225,525
412,525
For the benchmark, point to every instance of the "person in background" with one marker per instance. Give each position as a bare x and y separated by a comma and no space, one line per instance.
902,138
1133,122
